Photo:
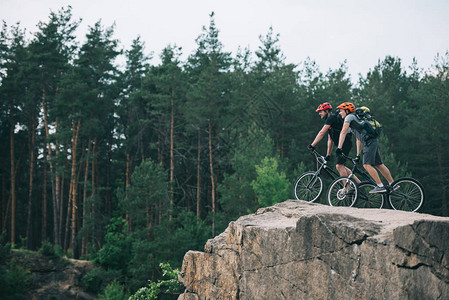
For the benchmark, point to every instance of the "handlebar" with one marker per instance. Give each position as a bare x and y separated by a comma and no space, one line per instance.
353,160
319,157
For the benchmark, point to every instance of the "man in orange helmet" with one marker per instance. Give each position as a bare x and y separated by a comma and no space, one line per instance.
366,143
332,127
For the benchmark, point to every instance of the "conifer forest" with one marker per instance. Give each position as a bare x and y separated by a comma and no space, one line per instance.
115,159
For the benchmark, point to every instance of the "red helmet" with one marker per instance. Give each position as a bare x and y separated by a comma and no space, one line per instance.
347,105
324,106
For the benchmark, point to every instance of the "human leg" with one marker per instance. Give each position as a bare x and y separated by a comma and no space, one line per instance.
373,173
385,173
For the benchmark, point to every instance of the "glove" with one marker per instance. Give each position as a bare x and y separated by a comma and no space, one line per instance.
357,159
310,147
339,152
328,158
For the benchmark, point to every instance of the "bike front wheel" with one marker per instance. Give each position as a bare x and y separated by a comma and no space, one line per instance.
343,191
407,194
308,187
367,200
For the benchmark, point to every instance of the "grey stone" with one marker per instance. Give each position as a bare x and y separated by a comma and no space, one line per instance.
300,250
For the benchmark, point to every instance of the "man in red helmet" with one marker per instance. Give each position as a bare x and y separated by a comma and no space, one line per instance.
332,127
366,143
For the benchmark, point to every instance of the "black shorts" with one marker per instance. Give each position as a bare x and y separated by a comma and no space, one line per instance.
347,146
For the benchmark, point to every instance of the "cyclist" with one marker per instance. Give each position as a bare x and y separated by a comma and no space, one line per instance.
332,127
366,143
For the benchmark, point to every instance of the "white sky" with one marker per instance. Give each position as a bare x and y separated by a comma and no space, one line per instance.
327,31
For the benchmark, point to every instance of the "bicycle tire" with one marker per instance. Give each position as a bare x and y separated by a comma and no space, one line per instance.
343,191
367,200
301,191
409,195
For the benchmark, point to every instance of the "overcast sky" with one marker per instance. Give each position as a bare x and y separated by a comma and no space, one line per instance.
328,31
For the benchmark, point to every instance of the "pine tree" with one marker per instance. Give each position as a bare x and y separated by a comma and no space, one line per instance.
167,95
208,68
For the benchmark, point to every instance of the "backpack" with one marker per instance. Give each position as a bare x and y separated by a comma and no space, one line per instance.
370,124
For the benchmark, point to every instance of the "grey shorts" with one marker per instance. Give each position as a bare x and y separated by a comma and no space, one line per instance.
371,154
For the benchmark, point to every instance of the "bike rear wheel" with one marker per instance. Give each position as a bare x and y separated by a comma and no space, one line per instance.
407,194
308,187
367,200
343,191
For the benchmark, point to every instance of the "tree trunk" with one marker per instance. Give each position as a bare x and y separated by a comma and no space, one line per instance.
44,198
86,177
4,214
74,189
212,178
441,173
108,178
57,240
58,185
198,176
172,162
93,190
13,175
127,184
32,142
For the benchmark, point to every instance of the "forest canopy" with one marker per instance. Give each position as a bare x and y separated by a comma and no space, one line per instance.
135,165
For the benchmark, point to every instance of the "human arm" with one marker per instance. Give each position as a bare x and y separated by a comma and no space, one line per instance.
320,135
330,145
359,147
344,131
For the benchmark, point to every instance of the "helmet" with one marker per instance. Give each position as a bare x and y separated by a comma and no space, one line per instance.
365,109
347,105
324,106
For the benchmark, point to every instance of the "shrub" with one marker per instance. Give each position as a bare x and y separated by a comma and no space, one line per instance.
96,280
271,186
49,250
154,290
114,291
14,282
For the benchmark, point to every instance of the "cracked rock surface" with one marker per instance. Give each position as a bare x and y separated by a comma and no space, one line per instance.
300,250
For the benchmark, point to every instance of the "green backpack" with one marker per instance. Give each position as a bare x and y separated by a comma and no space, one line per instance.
371,125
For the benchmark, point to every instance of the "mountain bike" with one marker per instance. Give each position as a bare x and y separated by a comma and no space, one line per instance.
345,191
310,185
403,194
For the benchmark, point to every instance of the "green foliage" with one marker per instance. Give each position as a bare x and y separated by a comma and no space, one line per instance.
50,250
171,285
116,250
271,186
14,281
96,280
218,112
114,291
148,188
237,194
164,245
5,248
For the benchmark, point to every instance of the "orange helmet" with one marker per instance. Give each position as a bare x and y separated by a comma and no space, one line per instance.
347,105
324,106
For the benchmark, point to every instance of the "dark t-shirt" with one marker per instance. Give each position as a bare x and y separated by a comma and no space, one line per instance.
336,123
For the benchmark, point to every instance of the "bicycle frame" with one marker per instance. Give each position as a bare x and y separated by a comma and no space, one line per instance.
356,170
322,166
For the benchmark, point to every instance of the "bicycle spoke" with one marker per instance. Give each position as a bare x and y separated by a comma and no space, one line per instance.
367,200
408,197
308,187
342,192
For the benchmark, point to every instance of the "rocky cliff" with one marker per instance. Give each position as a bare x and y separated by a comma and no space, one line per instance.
300,250
52,278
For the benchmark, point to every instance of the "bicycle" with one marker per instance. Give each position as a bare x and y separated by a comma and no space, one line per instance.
403,194
309,186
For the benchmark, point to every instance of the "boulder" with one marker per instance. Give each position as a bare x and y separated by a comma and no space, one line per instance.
300,250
